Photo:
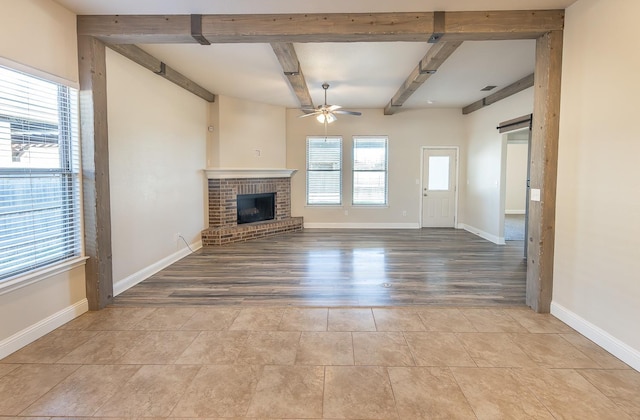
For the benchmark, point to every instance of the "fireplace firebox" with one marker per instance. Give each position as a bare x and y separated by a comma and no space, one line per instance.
255,207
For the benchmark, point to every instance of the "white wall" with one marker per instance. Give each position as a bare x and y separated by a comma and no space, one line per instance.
39,36
157,153
516,177
484,165
407,131
42,35
213,134
597,249
250,135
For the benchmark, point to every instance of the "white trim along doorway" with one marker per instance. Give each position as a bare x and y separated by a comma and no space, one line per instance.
439,198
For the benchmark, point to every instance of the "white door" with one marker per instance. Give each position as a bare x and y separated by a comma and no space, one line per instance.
439,187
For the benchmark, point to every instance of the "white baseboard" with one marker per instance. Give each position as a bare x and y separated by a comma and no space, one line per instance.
515,212
41,328
602,338
135,278
312,225
498,240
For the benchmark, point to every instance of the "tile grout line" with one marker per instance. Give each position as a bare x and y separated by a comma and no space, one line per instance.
49,390
624,409
393,393
466,398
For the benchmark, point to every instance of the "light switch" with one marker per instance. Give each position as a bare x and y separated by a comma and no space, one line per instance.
535,194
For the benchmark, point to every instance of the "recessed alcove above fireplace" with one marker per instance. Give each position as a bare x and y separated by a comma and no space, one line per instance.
250,192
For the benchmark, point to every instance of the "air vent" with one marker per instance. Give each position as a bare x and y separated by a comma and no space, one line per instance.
488,88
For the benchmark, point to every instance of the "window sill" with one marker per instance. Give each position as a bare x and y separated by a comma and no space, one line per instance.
23,280
324,206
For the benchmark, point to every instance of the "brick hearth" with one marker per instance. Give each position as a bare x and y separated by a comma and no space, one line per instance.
223,191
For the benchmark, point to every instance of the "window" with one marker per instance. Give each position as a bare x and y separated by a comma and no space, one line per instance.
39,173
369,170
324,170
438,173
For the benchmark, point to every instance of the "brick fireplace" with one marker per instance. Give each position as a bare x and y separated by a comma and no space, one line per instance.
224,185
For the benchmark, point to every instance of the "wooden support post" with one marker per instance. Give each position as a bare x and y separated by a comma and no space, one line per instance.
95,171
544,165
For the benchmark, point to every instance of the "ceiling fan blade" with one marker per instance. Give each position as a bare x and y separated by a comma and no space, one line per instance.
309,114
325,112
344,111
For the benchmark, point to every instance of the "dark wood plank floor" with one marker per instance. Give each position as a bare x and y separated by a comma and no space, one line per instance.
343,268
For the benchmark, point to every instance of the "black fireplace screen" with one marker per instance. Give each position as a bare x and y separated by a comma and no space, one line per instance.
255,207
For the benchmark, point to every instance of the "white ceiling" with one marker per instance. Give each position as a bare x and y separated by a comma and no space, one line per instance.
251,71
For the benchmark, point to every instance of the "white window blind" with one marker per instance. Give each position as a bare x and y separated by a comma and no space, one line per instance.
324,170
39,174
369,170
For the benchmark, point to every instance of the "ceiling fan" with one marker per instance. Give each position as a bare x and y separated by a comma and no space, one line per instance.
326,113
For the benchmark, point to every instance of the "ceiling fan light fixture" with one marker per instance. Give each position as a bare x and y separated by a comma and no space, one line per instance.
326,117
325,113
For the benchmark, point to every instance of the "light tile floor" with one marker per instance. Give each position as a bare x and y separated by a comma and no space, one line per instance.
336,363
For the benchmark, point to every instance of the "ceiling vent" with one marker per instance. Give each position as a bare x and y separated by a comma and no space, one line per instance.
488,88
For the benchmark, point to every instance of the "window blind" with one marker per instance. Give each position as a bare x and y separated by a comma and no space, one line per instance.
39,173
324,170
370,170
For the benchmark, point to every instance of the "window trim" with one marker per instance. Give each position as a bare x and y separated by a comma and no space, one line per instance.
67,170
39,274
341,172
386,173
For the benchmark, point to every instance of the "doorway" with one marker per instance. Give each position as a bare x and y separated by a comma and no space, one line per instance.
439,198
517,156
515,174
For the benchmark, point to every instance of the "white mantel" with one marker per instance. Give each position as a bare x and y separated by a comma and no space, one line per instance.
249,173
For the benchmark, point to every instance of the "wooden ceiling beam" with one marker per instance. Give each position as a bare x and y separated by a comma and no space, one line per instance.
137,29
286,54
512,89
430,63
332,27
328,27
316,27
501,25
146,60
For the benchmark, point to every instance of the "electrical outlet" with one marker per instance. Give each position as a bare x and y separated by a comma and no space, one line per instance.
404,213
178,235
346,212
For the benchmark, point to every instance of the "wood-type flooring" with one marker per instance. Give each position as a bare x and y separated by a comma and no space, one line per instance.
321,267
